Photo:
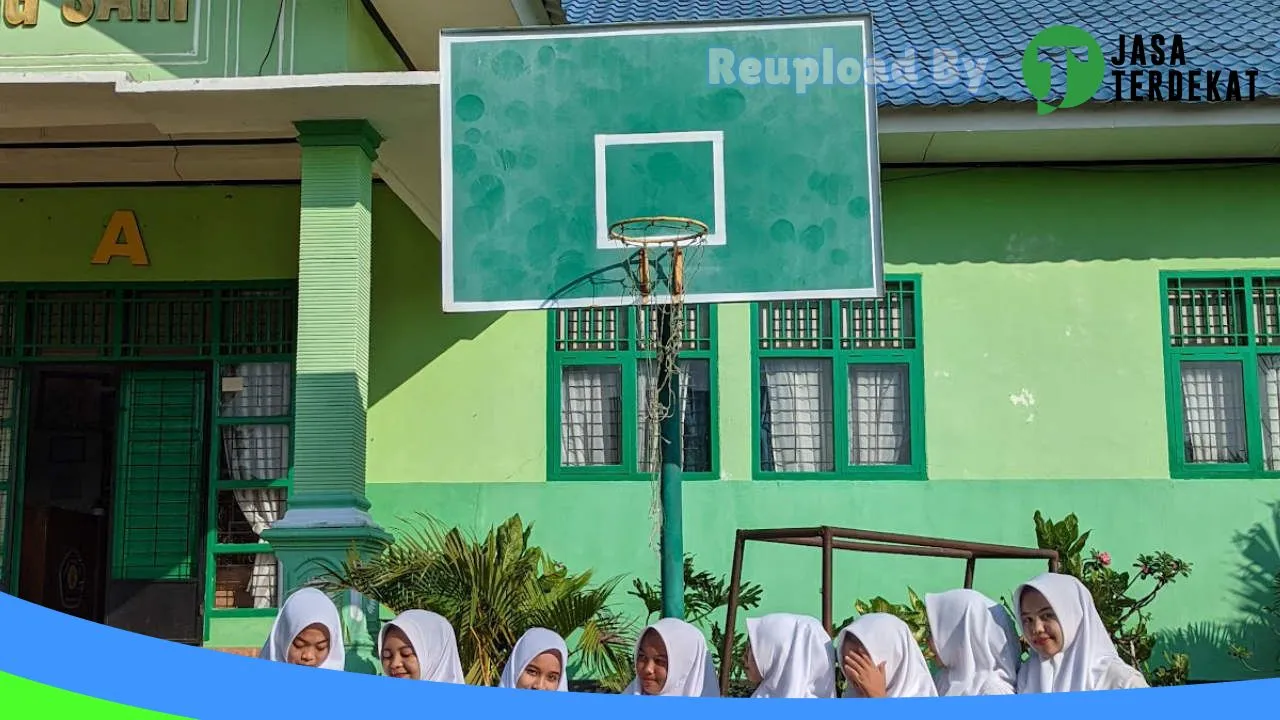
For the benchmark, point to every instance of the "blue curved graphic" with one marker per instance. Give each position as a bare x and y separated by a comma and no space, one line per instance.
49,648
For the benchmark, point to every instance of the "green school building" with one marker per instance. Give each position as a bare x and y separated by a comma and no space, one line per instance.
224,358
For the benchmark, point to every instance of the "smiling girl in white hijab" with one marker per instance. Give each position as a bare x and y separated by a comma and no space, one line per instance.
975,643
790,656
1071,648
672,660
308,632
420,645
537,662
880,658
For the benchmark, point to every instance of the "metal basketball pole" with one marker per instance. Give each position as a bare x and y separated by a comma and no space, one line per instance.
671,547
670,427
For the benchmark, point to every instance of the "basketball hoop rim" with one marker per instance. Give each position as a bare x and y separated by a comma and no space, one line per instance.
696,231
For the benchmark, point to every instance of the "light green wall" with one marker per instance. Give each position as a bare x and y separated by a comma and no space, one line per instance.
221,38
1041,324
191,233
1038,285
367,49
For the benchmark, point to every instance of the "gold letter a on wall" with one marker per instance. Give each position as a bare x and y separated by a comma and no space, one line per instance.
122,223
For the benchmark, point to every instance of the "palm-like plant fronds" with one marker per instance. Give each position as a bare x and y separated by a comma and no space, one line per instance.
491,591
704,596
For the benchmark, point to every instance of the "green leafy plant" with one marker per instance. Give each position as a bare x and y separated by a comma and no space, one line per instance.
1269,621
1119,599
912,613
706,595
491,590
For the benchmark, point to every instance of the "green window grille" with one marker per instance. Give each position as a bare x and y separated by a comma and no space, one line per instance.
840,387
602,371
252,459
245,333
9,409
8,457
1222,369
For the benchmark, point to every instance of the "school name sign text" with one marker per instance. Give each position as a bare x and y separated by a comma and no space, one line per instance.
26,13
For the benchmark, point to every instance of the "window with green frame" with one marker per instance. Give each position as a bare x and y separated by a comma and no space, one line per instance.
601,372
840,387
253,453
1222,371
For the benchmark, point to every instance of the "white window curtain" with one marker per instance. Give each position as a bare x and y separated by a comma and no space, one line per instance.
1269,388
796,415
591,415
259,453
695,391
1213,412
879,421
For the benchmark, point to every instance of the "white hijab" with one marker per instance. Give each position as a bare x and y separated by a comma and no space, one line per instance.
1087,650
531,644
690,671
889,641
794,656
976,644
305,608
434,643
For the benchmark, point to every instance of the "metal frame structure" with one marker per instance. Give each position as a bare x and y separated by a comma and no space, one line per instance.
835,538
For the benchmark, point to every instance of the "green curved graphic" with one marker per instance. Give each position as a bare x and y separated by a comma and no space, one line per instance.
1084,77
21,699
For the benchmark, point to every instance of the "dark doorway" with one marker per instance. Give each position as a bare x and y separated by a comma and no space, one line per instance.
70,458
114,496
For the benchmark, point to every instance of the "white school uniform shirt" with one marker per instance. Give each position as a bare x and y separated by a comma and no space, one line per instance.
794,656
302,609
1088,659
888,640
531,644
433,641
976,644
690,671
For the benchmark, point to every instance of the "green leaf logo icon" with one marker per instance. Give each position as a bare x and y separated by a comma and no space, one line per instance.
1083,77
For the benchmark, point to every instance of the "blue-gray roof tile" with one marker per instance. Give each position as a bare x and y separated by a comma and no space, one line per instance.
1217,34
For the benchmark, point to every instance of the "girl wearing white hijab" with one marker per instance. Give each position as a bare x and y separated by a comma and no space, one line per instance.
1071,648
790,656
672,660
537,662
880,658
420,645
975,643
307,632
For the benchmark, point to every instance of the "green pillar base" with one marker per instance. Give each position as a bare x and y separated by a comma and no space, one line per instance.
310,552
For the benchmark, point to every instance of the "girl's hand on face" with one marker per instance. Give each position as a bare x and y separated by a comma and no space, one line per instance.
865,675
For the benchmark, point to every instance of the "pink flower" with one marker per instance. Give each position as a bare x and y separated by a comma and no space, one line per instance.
1104,558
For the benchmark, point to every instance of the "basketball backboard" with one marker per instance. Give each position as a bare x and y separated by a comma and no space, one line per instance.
765,131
